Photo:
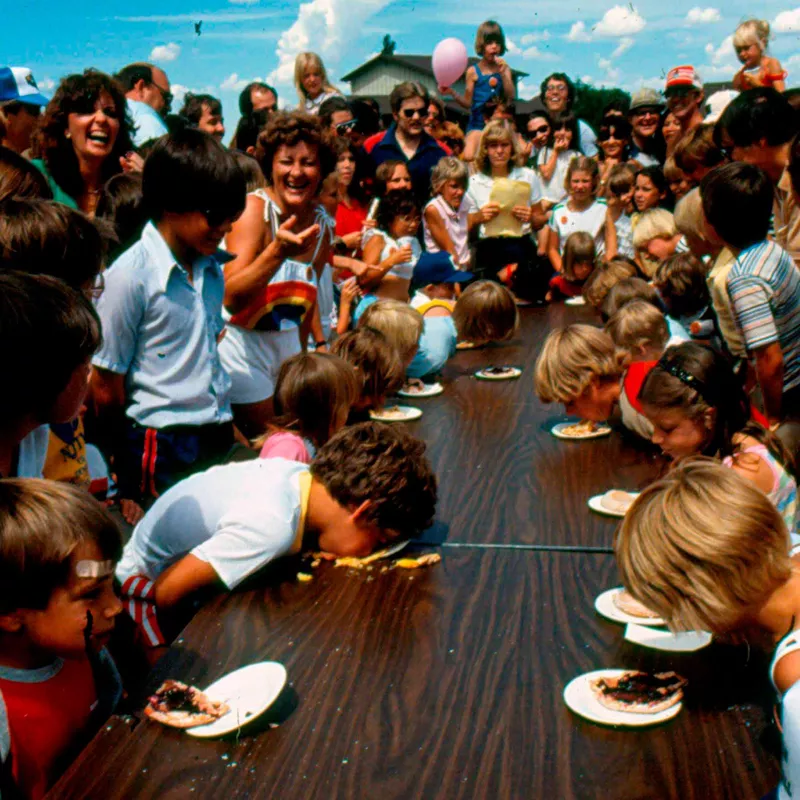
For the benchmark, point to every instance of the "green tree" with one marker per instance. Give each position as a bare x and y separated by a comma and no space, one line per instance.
590,102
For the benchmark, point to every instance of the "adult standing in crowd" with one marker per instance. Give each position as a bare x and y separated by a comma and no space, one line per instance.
258,96
204,112
147,91
684,93
21,103
84,138
758,127
644,115
406,139
257,103
558,95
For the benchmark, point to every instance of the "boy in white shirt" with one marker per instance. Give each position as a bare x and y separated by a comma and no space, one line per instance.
370,484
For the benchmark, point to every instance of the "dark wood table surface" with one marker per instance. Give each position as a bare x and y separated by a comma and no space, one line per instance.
446,682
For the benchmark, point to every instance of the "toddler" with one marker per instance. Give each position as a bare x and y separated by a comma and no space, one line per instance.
758,69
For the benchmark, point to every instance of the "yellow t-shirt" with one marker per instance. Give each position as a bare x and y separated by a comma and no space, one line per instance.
66,454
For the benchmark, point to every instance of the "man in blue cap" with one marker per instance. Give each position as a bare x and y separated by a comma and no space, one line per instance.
21,102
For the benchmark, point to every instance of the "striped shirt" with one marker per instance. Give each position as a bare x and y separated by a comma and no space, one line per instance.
764,287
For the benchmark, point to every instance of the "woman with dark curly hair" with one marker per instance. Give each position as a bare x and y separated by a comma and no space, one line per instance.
282,243
84,138
614,143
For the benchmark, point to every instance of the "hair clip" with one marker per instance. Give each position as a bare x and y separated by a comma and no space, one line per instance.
685,377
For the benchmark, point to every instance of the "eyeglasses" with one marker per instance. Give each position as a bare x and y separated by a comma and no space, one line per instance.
346,126
679,91
646,112
410,113
166,95
537,131
556,89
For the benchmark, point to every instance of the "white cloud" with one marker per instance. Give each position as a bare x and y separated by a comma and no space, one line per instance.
723,54
702,16
511,48
524,92
787,21
234,83
530,38
48,84
179,91
534,52
578,33
620,21
326,27
792,63
604,63
165,52
587,79
625,44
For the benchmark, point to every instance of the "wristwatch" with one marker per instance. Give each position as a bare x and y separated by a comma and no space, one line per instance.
321,343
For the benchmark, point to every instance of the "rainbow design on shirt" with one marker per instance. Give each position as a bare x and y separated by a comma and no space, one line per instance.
279,304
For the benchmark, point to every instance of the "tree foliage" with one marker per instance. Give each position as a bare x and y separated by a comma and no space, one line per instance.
590,101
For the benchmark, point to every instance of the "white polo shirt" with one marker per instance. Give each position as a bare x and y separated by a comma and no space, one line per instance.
236,517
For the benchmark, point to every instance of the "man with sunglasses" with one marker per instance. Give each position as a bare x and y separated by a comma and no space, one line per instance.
684,93
21,102
644,116
147,90
406,139
336,116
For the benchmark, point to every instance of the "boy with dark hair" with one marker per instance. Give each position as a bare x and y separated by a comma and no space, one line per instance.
160,393
204,112
370,484
758,127
764,284
58,683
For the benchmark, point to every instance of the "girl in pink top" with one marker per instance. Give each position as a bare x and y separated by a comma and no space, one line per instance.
313,396
446,220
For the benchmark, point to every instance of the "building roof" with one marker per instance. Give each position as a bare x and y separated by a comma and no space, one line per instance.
421,63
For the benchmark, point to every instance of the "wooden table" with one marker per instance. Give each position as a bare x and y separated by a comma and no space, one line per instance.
446,682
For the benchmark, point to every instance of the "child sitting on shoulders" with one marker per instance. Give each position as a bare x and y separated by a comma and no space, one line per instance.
58,684
681,283
697,406
639,329
313,396
377,367
578,264
446,220
581,367
369,485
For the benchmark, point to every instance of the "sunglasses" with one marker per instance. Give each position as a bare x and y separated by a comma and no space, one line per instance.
346,126
410,113
537,131
166,95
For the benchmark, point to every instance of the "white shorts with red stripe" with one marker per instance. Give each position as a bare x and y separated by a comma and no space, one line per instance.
138,598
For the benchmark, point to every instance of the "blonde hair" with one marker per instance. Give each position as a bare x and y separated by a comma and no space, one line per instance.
752,31
398,322
449,168
498,130
689,217
582,164
638,325
485,30
301,65
703,548
311,391
604,278
486,312
578,249
41,525
672,172
571,357
655,223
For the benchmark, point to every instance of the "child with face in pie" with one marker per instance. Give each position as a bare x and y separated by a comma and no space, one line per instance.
705,549
58,684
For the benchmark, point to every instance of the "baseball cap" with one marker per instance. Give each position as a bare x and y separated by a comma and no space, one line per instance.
438,268
17,85
685,75
646,98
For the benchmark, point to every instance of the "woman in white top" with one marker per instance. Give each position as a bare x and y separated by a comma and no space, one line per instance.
282,243
311,82
498,158
553,160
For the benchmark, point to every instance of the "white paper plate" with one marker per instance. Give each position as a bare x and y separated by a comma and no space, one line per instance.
581,700
409,413
249,692
596,505
429,390
557,431
515,373
686,642
391,550
578,300
606,607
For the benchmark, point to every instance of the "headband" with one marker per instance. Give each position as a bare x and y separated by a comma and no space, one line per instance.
687,379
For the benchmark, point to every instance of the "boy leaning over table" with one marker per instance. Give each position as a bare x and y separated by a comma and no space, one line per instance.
369,485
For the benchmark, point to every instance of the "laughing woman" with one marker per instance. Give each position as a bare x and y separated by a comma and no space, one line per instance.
281,245
84,138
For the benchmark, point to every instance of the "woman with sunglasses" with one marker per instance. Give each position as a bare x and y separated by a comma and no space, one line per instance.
614,143
435,119
84,138
282,243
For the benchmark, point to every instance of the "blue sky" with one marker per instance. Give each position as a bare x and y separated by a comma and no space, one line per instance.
622,45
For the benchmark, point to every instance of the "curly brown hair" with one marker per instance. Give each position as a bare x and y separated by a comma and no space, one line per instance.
75,95
386,466
289,128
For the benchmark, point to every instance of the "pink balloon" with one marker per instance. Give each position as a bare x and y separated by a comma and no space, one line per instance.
449,61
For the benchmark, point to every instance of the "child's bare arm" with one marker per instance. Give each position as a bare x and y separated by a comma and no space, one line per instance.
769,369
466,100
552,249
182,580
439,231
539,215
612,246
547,169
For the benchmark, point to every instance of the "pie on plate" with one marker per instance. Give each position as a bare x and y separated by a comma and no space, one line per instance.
639,692
580,430
617,501
396,414
498,373
181,706
628,605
